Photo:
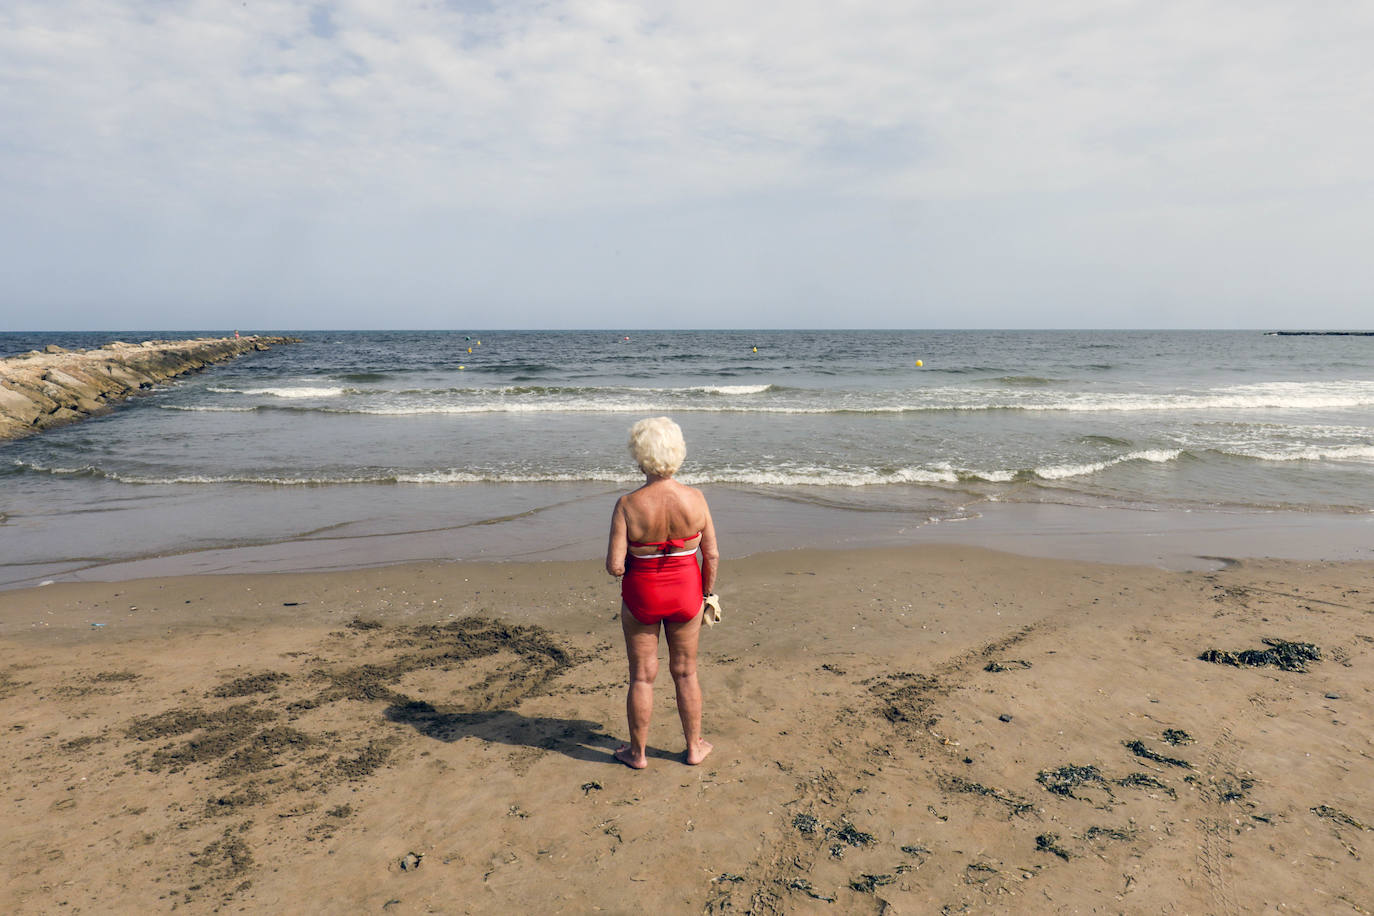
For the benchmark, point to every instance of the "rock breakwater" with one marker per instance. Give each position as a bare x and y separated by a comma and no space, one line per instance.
54,386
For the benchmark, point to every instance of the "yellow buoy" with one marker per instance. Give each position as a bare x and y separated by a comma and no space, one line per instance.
462,367
469,349
756,349
479,343
919,364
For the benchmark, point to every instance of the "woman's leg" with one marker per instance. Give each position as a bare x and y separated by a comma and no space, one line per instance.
641,646
683,638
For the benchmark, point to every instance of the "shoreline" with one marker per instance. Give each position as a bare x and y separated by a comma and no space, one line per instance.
914,727
558,530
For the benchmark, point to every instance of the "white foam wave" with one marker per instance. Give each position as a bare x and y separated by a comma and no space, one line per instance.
737,399
454,476
205,408
1310,453
289,393
732,389
1062,471
820,477
49,469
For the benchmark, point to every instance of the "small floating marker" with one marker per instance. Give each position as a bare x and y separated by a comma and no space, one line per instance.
469,349
919,364
462,367
479,343
467,338
756,349
627,338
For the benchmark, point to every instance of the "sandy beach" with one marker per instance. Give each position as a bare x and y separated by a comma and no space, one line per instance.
906,730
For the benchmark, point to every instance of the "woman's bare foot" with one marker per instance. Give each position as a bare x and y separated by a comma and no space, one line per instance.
625,756
698,754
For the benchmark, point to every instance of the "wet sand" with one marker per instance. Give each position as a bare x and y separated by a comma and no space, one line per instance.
898,730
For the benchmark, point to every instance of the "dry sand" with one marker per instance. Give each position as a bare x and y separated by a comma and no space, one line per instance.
923,730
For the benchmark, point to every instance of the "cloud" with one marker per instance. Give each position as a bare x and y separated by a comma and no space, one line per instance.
1085,139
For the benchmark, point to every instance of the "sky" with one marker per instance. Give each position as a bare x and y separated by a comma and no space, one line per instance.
928,164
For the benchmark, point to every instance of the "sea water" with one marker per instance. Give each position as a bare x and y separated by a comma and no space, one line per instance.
511,444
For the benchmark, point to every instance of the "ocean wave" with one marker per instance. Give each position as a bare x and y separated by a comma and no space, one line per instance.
291,393
1029,397
1308,453
206,408
775,477
940,473
819,477
1025,381
1063,471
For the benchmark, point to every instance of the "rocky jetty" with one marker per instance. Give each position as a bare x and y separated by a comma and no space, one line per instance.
51,387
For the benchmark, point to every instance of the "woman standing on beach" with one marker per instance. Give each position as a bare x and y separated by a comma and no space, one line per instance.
656,531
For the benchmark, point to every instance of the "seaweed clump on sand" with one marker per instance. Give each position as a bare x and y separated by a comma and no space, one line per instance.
1138,748
1049,842
1014,804
1287,656
866,884
1145,780
1067,778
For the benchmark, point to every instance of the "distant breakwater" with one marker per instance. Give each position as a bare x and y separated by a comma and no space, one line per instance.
55,386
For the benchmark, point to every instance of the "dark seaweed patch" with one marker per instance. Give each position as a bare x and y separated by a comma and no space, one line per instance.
80,744
1049,842
1009,664
227,857
907,698
253,683
358,623
850,835
233,801
1231,788
367,761
806,823
212,744
959,784
978,873
8,685
1177,736
1106,833
865,884
1140,750
180,721
1340,817
1067,778
1287,656
111,677
262,750
801,884
1145,780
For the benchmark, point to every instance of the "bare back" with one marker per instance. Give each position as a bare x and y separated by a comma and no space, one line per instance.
661,510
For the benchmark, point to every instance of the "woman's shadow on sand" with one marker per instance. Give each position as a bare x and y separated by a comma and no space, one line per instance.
579,739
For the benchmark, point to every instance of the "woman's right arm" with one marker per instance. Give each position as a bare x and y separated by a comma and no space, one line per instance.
619,543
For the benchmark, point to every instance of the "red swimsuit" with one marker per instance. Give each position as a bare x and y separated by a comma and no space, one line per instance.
665,585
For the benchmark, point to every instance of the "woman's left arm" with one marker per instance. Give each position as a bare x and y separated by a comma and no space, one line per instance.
619,542
710,553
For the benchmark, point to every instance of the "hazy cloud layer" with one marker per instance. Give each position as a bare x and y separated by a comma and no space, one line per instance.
366,164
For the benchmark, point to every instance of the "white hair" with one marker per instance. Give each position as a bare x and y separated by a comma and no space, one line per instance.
657,446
